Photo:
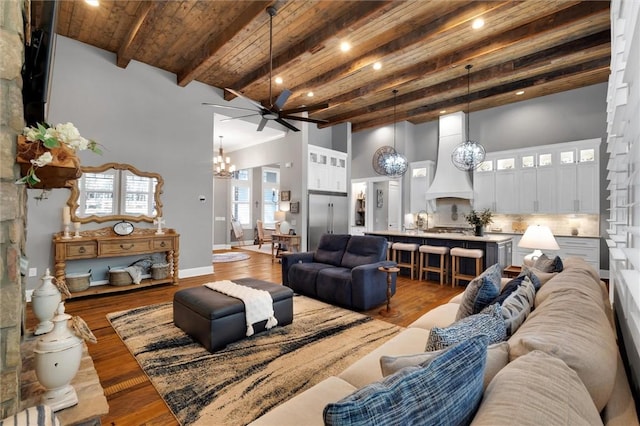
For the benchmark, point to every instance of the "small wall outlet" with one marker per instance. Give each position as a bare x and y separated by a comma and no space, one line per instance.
33,272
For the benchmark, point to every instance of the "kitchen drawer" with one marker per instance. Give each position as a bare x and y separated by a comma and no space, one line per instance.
81,250
125,247
586,248
163,244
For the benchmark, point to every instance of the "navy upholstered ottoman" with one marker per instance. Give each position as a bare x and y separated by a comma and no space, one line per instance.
215,319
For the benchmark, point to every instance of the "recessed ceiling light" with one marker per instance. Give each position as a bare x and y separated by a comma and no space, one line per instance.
443,111
345,46
377,66
477,23
94,3
310,94
278,80
520,92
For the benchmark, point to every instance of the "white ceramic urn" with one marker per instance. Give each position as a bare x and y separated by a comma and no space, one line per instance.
57,356
44,302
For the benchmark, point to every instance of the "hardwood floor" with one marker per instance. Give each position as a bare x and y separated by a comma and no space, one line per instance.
132,398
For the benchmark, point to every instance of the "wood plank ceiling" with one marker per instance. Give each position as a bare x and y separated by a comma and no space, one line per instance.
536,46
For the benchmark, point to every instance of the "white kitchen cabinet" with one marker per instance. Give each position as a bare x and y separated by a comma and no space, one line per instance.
327,169
579,175
484,185
421,174
495,184
506,186
583,247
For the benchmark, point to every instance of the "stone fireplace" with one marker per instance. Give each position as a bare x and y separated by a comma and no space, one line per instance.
12,205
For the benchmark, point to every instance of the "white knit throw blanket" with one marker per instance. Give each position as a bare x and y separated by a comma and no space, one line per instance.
258,304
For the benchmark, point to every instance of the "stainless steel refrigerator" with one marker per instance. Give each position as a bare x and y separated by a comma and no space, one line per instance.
328,214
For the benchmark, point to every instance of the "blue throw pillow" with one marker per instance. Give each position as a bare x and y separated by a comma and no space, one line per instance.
489,322
509,288
444,390
480,292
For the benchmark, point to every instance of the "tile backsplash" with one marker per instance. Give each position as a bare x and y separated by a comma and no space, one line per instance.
562,225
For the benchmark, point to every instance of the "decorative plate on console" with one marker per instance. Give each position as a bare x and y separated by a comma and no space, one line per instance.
123,228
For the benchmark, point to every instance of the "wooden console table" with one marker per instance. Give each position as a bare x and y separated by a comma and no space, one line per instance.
279,240
103,243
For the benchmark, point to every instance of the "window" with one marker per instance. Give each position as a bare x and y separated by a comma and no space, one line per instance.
116,192
270,191
241,198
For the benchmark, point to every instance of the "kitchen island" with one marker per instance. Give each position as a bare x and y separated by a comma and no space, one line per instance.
497,248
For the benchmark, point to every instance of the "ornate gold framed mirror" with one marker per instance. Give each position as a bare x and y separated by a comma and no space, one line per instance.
116,191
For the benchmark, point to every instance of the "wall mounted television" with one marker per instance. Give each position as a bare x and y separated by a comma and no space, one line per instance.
38,63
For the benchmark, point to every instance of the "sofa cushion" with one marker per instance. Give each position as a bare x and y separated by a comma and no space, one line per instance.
440,316
364,249
546,264
517,306
39,415
497,358
302,277
331,248
334,285
445,390
488,322
306,408
536,389
480,292
570,323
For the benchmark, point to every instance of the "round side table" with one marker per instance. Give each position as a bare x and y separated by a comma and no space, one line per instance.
389,312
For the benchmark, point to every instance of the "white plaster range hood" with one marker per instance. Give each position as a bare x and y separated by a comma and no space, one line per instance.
449,181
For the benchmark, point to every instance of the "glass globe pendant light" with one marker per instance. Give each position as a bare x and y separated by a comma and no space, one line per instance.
469,154
394,164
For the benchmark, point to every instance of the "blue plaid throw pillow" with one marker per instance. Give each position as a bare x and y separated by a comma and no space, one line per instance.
444,391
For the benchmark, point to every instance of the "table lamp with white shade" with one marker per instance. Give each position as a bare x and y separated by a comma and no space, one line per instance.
282,226
538,238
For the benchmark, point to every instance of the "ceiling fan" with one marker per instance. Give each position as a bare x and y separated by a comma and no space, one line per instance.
274,111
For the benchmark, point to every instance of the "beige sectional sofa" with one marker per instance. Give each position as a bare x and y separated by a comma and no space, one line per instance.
562,365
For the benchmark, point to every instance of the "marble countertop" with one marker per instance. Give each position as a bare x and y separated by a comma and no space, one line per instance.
488,238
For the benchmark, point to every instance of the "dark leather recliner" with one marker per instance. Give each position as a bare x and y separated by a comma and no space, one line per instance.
342,271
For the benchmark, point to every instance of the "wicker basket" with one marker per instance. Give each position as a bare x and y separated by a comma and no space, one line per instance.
78,281
159,271
119,277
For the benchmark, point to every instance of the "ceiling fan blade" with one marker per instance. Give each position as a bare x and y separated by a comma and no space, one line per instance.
287,125
263,123
305,108
242,116
308,120
282,98
240,95
227,107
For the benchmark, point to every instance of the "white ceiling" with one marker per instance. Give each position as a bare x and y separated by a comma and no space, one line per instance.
239,134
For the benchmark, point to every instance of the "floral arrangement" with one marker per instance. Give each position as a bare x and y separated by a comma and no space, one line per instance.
482,218
48,137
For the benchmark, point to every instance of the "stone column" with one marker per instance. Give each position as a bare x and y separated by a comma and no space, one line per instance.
12,205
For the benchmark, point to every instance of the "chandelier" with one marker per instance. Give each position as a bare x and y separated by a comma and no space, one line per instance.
222,167
469,154
393,163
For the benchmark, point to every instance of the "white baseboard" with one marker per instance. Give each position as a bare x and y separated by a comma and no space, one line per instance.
221,247
194,272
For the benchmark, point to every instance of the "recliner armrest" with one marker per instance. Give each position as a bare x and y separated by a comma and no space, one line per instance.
292,258
369,285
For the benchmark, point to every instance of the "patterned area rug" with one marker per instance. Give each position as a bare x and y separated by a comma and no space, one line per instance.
229,257
248,378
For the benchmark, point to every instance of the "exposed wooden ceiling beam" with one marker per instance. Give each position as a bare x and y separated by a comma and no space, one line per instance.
361,14
203,61
124,52
599,66
497,72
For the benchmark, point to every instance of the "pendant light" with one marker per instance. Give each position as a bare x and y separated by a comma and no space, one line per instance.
394,164
222,167
469,154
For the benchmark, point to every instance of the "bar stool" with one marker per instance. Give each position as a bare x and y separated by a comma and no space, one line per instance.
456,254
397,256
424,267
389,244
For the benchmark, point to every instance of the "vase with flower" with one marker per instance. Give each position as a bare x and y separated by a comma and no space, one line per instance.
479,219
47,155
